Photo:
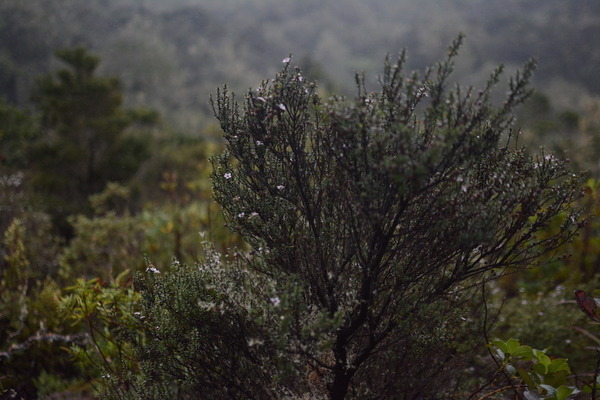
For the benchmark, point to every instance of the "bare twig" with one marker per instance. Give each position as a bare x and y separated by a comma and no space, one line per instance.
587,333
42,337
500,370
501,390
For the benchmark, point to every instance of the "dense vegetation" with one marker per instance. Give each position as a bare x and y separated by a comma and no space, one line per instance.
375,217
399,239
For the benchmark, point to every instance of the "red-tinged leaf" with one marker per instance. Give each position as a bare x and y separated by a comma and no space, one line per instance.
587,304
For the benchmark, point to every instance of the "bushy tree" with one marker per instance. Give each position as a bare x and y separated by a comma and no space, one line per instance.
370,222
375,215
85,144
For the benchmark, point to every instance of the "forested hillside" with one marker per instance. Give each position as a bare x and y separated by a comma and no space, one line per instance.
170,55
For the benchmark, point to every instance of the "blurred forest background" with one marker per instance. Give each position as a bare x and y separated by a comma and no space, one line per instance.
170,55
135,190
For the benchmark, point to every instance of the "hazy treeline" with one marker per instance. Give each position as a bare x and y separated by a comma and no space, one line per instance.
170,56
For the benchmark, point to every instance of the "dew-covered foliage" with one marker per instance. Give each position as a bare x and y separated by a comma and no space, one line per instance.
374,216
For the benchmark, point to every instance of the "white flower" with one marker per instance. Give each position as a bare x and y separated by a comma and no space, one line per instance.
282,107
206,305
241,215
227,176
286,60
152,269
254,214
275,301
259,143
255,342
280,187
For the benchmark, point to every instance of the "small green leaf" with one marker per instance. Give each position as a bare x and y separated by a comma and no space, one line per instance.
556,379
512,346
558,364
588,389
523,351
540,369
526,377
500,348
500,345
563,392
542,358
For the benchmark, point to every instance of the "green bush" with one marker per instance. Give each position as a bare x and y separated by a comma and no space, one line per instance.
370,222
107,315
204,337
32,333
380,211
536,375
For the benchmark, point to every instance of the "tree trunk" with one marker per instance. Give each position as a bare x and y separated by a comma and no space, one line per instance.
339,387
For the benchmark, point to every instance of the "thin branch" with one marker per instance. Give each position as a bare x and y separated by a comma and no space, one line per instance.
43,337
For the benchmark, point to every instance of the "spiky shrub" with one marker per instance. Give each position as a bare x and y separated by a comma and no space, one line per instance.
373,215
202,338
